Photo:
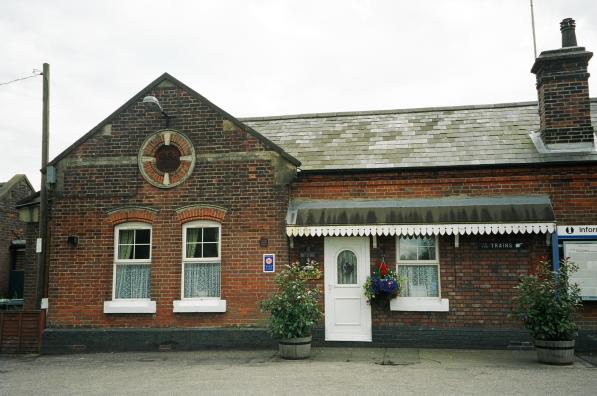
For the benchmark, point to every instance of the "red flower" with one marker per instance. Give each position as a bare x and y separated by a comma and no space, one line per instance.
383,270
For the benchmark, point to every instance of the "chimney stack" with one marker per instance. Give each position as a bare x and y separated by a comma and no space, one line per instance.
563,90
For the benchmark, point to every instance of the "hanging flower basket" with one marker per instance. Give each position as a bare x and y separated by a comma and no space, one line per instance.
383,283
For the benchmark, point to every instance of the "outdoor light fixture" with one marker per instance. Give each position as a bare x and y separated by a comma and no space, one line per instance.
153,104
72,241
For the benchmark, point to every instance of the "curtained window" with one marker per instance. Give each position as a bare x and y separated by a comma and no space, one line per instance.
418,266
132,261
201,260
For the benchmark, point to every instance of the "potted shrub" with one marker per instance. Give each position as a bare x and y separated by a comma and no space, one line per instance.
294,309
383,283
546,302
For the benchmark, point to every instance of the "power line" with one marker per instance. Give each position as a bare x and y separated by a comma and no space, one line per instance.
35,74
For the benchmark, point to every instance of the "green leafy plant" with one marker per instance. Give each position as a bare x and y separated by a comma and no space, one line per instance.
294,307
546,302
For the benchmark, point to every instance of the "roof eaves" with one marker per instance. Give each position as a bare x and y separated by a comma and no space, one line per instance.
381,169
32,199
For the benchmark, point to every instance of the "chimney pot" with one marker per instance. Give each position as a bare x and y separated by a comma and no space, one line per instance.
567,27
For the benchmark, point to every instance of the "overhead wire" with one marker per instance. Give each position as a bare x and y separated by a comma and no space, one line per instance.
35,74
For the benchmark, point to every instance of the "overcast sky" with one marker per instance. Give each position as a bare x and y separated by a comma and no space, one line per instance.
257,58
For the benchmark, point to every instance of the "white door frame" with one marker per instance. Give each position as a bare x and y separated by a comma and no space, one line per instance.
347,302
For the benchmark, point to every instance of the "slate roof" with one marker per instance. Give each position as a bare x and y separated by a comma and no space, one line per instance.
426,137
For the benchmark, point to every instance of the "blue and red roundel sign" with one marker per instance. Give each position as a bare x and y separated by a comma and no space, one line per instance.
269,263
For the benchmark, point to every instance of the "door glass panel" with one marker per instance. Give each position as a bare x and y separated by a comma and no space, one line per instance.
347,268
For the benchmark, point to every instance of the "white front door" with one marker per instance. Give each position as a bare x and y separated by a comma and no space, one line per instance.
347,314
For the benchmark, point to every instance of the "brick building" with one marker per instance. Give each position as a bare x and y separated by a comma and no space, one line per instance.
12,241
163,214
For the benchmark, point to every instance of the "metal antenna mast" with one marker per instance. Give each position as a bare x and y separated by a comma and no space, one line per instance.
533,25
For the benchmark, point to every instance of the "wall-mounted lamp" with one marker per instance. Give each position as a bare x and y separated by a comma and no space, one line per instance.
72,241
153,104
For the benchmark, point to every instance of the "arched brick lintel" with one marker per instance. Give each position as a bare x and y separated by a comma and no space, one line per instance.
200,212
126,215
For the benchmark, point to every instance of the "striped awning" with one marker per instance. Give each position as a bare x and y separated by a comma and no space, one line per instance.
444,216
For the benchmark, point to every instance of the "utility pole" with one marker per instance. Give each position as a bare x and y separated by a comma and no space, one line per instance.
42,244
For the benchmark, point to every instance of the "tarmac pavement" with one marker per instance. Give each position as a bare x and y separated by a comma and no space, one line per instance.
330,371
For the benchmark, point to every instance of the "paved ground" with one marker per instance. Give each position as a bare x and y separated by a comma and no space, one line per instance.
331,371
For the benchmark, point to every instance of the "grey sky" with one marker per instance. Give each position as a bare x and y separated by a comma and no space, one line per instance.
255,58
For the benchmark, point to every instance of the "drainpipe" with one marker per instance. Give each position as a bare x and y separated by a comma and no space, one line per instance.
555,251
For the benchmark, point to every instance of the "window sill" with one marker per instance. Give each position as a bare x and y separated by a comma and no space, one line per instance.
420,304
202,305
129,306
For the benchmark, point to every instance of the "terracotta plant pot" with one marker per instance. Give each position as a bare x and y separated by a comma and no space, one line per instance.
555,352
295,348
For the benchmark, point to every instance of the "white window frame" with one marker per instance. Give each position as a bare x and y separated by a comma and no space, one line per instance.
129,305
200,304
426,304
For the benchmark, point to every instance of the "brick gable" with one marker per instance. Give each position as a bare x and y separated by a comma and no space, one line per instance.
238,180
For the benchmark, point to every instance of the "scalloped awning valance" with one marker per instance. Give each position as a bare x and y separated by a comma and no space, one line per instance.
443,216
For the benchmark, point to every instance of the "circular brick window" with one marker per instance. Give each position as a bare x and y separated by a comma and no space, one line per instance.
166,158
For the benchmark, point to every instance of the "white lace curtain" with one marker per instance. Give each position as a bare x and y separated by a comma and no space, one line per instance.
421,280
132,280
201,280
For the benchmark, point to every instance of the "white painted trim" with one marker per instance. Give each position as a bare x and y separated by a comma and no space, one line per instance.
207,260
44,303
434,262
420,304
201,305
129,306
117,261
422,229
333,291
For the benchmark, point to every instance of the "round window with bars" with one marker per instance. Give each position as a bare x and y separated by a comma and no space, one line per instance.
166,158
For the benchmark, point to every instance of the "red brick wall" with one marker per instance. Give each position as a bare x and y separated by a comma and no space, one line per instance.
10,228
478,283
235,179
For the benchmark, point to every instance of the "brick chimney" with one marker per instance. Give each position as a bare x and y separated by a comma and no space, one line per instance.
563,90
